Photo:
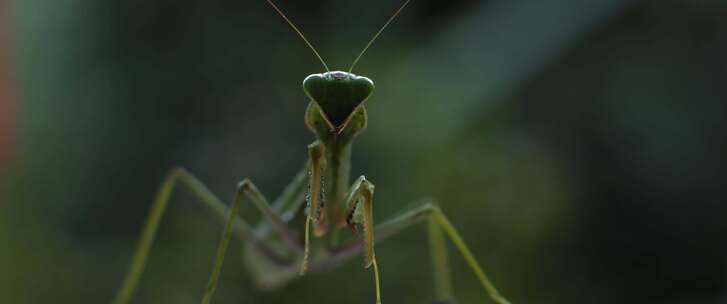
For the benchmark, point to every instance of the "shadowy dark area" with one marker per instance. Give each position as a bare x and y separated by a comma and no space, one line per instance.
578,146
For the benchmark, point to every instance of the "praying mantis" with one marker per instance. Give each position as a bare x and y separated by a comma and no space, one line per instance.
336,114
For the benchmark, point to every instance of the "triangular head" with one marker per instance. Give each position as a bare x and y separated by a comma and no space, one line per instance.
338,94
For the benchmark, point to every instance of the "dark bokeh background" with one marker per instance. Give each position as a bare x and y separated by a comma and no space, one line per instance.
577,145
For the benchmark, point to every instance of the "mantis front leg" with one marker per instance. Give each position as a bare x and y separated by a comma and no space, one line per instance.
314,198
359,204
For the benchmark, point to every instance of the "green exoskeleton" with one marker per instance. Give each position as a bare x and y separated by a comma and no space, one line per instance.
336,115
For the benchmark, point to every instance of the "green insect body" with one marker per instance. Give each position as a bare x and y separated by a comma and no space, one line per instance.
275,254
336,124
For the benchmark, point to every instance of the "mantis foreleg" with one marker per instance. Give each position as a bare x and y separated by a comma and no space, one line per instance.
316,213
359,204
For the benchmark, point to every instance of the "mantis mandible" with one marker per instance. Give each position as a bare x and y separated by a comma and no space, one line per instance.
336,115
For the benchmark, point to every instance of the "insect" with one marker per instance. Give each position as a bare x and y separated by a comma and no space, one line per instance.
336,114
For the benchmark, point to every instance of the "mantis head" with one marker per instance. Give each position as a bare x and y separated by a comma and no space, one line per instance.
338,95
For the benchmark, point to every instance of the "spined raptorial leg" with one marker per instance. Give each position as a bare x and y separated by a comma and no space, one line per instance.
359,204
233,223
315,216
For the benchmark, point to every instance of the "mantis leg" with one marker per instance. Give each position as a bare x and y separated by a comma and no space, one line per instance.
314,198
232,224
359,204
437,223
246,189
293,196
289,203
287,200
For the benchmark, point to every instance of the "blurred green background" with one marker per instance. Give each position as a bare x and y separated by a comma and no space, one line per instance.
577,145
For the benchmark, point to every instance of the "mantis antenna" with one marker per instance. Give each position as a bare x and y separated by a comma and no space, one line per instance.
377,34
295,28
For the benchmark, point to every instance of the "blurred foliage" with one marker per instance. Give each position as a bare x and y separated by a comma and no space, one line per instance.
577,145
